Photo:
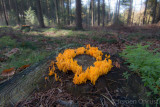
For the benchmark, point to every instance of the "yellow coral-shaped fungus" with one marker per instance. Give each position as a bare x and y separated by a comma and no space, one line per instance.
65,63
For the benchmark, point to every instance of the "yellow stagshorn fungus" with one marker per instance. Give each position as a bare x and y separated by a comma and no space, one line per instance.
65,63
51,71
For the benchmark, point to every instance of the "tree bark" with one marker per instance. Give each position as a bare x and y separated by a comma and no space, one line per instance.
68,18
98,12
118,10
4,11
158,18
146,6
154,12
40,14
78,14
17,11
108,16
48,8
103,14
130,12
92,12
10,4
56,8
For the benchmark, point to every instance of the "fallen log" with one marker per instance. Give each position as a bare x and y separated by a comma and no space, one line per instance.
22,85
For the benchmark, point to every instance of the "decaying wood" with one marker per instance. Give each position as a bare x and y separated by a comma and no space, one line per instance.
25,83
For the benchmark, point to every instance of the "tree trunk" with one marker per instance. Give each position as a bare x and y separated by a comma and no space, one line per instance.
68,18
56,8
98,12
17,11
116,19
118,10
130,12
78,14
133,17
4,11
62,12
40,14
89,14
48,8
10,4
108,17
92,5
154,12
146,6
103,14
158,17
141,14
70,2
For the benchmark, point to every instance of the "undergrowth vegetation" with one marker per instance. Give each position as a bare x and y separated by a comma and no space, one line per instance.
145,63
24,57
6,41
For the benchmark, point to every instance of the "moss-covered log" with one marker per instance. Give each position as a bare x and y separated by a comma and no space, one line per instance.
25,83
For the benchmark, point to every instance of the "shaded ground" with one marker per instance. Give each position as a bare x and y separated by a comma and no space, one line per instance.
39,43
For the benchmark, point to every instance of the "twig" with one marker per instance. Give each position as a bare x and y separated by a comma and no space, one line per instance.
108,99
111,97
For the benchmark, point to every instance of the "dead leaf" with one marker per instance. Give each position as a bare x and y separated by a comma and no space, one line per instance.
12,52
8,72
23,67
117,64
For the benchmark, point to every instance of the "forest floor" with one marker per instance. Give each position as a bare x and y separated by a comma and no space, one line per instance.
19,50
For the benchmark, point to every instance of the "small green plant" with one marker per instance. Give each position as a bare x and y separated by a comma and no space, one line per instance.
6,41
146,63
126,75
30,17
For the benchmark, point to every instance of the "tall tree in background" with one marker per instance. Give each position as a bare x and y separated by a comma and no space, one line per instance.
98,12
116,19
48,7
108,15
92,11
130,12
4,11
145,10
154,12
78,14
118,10
17,11
56,8
158,18
103,14
68,18
40,14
